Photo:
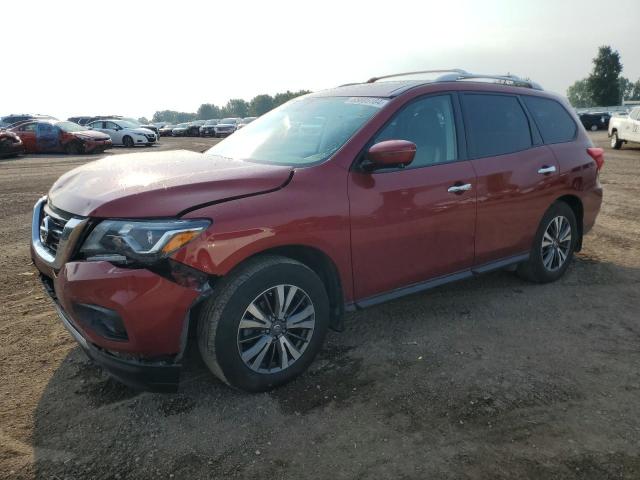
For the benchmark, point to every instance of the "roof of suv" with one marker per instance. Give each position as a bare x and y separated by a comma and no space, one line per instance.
392,88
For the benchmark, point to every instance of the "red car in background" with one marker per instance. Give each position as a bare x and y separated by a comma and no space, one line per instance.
10,144
39,136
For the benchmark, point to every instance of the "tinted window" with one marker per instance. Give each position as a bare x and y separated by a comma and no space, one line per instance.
28,127
110,126
495,125
429,123
553,121
95,125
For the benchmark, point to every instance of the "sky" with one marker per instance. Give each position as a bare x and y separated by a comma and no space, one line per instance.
132,58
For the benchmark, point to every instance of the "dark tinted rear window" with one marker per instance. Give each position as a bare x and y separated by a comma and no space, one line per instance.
553,121
495,125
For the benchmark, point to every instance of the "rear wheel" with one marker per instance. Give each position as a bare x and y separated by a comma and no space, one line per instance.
264,324
127,141
616,143
553,246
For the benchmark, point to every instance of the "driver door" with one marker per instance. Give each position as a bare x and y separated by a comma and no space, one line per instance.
413,224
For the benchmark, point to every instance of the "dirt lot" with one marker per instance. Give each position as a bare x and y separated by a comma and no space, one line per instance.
489,378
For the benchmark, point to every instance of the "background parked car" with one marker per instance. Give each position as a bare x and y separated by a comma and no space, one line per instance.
81,120
10,144
245,121
11,120
166,130
226,127
148,126
194,128
180,130
208,128
123,132
39,136
595,120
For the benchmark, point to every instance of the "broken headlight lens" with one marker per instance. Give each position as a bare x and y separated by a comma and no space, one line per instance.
140,241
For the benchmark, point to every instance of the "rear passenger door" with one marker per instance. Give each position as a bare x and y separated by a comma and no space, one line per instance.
515,174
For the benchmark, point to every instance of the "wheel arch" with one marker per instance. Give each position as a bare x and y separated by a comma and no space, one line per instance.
577,207
323,266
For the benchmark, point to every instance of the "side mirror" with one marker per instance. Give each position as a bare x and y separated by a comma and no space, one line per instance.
392,153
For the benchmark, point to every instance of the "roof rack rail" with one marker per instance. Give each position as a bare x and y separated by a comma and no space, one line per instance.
404,74
507,79
455,74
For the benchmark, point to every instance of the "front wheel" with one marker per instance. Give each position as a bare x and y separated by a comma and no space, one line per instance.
127,141
264,324
616,143
553,246
73,148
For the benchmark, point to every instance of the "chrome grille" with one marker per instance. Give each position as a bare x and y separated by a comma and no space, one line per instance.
51,228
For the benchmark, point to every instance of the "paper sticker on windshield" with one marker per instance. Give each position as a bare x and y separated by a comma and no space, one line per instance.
371,101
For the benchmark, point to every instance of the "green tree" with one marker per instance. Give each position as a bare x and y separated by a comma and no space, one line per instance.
207,111
236,107
604,81
579,94
632,90
260,105
171,116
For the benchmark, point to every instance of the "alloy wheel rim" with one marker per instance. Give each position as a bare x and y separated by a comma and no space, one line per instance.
276,329
556,243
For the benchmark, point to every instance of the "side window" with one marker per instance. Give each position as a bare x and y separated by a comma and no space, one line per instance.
553,121
110,126
29,127
95,125
430,124
495,124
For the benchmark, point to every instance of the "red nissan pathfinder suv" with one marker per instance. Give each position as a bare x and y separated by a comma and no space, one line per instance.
335,201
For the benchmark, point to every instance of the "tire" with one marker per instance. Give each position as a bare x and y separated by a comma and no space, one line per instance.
223,340
616,143
127,141
73,148
536,268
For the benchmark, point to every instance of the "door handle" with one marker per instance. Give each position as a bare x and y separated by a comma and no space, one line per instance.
544,170
459,188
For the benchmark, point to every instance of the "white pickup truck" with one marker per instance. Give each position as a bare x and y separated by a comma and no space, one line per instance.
625,129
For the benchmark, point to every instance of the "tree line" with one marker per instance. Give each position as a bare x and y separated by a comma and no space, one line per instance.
605,86
236,107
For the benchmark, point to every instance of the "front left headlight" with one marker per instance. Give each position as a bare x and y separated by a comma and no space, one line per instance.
140,241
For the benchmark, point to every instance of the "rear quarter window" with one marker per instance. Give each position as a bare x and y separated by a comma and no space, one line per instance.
553,121
495,124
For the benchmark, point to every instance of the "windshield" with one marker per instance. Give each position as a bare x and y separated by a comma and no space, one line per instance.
70,127
132,120
300,132
228,120
182,125
211,122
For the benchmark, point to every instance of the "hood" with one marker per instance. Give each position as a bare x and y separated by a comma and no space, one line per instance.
92,135
163,184
140,130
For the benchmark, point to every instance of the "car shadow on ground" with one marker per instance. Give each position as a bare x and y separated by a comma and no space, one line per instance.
486,378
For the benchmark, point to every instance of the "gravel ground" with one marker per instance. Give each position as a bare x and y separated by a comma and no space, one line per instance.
491,378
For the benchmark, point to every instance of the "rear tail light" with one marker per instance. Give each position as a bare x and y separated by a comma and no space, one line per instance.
598,156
